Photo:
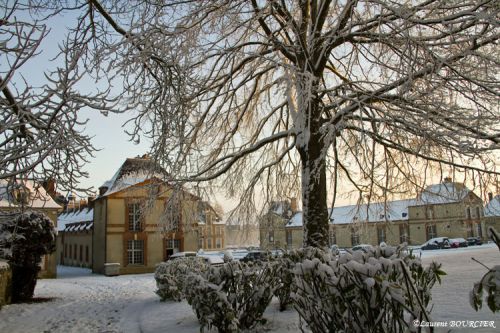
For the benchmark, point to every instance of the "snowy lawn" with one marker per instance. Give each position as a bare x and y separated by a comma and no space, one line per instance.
83,302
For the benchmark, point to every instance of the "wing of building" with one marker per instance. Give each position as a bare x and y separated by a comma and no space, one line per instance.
448,209
137,221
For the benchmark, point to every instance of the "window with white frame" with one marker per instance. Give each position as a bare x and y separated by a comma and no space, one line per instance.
404,233
381,234
134,216
135,252
354,237
289,239
218,243
431,231
332,237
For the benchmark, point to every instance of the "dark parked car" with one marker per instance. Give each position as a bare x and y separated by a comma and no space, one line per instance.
474,241
436,244
458,242
255,255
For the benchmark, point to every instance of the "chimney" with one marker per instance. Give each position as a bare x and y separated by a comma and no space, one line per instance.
447,179
50,186
103,189
293,205
490,196
90,202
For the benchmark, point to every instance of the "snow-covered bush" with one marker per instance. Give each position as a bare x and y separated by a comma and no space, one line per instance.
170,276
489,286
379,291
283,271
231,297
228,256
28,236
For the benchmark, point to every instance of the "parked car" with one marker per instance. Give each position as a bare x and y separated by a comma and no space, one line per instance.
474,241
436,244
458,242
182,255
255,255
362,247
334,249
212,259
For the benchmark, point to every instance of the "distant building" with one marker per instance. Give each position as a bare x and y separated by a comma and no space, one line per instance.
24,195
492,212
74,239
448,209
136,231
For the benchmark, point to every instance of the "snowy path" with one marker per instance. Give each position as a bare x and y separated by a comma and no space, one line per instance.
84,302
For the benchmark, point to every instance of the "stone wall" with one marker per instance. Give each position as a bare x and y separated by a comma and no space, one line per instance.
5,283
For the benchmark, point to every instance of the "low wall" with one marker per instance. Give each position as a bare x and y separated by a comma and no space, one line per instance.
5,283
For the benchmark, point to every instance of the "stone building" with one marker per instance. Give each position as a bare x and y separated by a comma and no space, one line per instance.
139,220
448,209
74,238
25,195
492,212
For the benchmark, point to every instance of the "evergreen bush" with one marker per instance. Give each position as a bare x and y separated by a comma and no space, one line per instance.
28,236
170,276
379,291
231,297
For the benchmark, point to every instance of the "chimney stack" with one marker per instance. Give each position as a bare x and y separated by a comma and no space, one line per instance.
103,189
50,187
293,205
90,201
447,179
490,196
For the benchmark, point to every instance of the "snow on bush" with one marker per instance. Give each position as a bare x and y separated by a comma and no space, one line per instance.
489,286
170,276
379,291
283,271
231,297
26,238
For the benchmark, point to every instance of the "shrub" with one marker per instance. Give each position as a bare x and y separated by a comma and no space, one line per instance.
489,286
170,276
231,297
379,291
283,271
31,235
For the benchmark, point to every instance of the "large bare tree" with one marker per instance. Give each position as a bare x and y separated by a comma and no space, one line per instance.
242,94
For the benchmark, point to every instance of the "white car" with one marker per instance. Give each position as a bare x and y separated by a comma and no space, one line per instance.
182,255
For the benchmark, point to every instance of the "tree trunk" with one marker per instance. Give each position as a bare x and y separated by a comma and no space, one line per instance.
314,207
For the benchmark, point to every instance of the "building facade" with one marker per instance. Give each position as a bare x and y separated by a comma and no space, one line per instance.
492,212
74,238
448,209
140,221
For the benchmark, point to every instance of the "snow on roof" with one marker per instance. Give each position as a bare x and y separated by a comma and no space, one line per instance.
493,207
133,171
38,197
66,218
4,265
446,192
375,212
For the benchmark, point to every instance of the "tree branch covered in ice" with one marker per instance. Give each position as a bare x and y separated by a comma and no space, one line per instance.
41,132
278,97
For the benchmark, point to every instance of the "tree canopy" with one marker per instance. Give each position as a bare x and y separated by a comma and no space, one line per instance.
301,96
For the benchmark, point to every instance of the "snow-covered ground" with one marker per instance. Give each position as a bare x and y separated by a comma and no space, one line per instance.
84,302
